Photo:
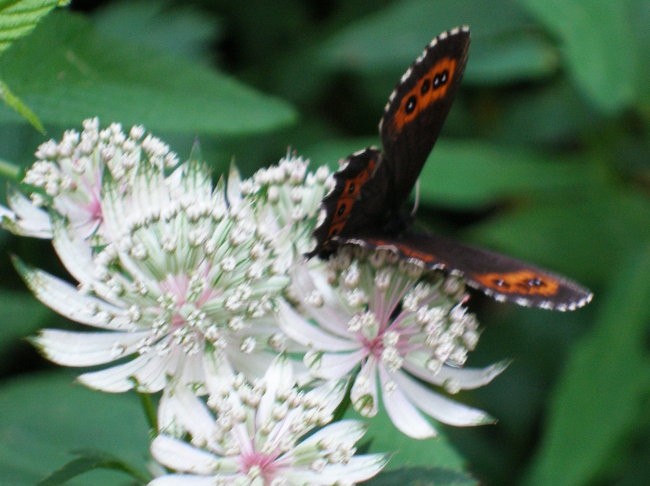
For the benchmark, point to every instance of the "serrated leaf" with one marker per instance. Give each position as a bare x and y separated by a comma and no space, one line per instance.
598,401
599,47
18,18
67,72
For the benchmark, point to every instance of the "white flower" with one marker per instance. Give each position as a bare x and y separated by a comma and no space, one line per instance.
290,198
255,433
182,276
67,178
393,327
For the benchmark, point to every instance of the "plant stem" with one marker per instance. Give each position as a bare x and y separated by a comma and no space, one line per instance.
149,411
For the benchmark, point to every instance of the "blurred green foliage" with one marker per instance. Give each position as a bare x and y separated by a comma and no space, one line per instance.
545,156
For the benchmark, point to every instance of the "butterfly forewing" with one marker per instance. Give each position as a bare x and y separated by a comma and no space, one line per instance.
418,107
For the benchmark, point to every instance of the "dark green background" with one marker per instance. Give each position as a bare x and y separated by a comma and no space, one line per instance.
544,156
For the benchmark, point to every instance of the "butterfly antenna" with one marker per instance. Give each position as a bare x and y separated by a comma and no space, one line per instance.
416,203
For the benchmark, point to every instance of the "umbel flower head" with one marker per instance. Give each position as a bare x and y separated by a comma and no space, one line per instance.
66,178
396,330
181,275
290,198
256,433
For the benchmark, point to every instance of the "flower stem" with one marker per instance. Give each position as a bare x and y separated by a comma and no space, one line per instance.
149,410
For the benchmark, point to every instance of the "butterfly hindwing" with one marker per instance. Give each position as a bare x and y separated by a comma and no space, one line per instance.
351,206
417,108
501,277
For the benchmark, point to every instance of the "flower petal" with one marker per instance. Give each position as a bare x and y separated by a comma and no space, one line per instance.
278,379
180,405
71,348
182,480
65,299
26,219
357,469
180,456
464,378
406,417
342,431
332,315
147,373
251,364
364,389
332,366
439,407
302,331
233,187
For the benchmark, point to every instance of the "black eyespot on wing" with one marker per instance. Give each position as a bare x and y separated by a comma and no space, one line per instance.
499,276
410,105
425,86
418,107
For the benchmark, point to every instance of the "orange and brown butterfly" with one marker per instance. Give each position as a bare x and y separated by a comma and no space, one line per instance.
365,206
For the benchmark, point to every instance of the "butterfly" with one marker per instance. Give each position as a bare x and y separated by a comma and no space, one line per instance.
364,208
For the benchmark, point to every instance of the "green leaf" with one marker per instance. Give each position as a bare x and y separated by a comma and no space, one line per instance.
583,235
598,401
468,173
330,152
422,476
551,114
406,452
16,104
22,316
66,72
174,28
18,18
90,460
10,171
599,47
45,417
519,56
502,46
640,19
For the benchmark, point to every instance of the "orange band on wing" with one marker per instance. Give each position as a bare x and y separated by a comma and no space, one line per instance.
431,87
349,195
522,282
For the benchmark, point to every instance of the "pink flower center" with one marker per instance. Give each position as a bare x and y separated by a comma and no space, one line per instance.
178,286
373,346
95,210
265,464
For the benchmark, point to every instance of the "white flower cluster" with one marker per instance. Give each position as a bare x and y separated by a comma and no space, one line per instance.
203,291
